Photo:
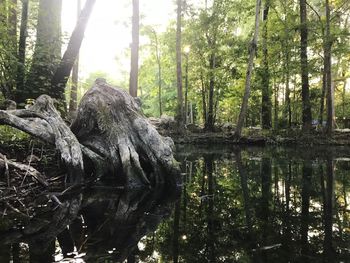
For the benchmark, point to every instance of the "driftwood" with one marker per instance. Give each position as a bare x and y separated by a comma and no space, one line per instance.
109,137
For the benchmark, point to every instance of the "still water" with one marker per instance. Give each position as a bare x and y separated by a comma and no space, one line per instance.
237,205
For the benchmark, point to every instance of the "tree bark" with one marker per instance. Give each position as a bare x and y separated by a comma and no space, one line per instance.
323,94
110,131
203,92
186,90
62,73
22,51
134,69
209,125
73,102
252,50
266,104
306,111
328,73
180,110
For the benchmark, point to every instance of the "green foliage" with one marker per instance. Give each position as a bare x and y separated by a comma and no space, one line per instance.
9,135
225,28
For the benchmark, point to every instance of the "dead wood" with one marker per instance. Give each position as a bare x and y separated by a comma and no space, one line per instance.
109,137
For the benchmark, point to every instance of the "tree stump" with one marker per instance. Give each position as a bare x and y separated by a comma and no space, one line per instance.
110,137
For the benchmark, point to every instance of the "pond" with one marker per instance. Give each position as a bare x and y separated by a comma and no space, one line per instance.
237,204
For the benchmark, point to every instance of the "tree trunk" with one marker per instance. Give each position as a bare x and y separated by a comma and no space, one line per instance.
47,51
344,96
203,92
22,51
179,112
186,90
266,105
328,73
276,109
323,94
287,94
306,112
252,50
62,73
134,69
209,125
159,84
73,102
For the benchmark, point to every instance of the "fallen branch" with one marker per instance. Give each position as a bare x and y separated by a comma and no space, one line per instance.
24,168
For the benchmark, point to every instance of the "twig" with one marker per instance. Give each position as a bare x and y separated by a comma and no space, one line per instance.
7,173
17,211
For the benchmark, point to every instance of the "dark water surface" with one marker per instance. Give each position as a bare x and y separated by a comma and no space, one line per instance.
261,205
237,205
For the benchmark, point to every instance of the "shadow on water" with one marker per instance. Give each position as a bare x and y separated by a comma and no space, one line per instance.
105,224
237,204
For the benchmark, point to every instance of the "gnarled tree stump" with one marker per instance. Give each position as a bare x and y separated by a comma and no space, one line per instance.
109,137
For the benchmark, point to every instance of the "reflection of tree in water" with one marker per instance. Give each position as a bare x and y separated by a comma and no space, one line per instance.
105,223
275,205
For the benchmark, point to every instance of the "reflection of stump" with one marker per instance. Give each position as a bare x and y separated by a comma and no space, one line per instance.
109,131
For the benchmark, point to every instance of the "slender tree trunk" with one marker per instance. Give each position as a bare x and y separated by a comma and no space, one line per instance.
343,96
266,105
134,49
62,73
204,103
323,94
22,51
276,106
159,78
179,113
73,103
186,90
328,73
306,111
252,50
209,125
